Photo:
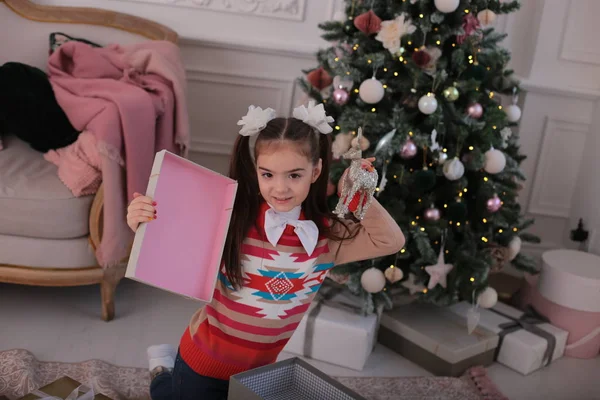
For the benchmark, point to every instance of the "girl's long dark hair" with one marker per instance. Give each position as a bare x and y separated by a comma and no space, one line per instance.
246,207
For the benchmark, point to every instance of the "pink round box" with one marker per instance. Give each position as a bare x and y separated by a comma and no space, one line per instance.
567,292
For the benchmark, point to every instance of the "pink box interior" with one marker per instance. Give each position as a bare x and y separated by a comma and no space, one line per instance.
182,249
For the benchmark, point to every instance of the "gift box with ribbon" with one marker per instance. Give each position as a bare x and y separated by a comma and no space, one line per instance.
65,388
335,330
567,291
436,339
527,342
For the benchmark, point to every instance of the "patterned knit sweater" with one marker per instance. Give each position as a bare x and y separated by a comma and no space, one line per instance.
247,328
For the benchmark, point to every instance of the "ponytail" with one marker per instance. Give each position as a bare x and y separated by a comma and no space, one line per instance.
317,198
245,208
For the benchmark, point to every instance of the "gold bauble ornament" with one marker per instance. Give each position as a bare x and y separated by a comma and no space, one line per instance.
451,93
393,274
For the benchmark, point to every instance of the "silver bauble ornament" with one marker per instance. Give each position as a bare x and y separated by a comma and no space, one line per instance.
428,104
453,169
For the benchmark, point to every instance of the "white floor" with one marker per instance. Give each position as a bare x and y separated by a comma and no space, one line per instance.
63,324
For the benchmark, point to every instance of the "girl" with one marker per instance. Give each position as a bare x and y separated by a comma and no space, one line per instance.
282,240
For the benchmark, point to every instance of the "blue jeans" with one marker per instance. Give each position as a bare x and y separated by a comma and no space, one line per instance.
185,384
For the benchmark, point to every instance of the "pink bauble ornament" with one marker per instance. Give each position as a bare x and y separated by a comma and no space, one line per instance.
494,204
432,214
340,96
409,149
475,110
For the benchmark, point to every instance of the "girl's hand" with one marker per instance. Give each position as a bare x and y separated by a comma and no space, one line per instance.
366,163
140,210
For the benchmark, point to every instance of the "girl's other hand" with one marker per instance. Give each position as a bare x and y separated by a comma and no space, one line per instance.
141,209
367,163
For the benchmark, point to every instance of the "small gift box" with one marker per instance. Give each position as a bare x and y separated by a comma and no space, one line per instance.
288,379
181,250
335,330
436,339
64,388
527,341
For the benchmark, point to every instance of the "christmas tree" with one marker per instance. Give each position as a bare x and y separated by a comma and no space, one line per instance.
425,81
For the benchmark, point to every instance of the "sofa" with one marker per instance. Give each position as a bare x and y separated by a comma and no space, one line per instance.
48,235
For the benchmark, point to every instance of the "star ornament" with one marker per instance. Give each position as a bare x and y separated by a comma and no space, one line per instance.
412,285
438,272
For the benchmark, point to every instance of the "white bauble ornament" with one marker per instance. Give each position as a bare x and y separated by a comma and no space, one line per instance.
446,6
428,104
372,280
513,113
453,169
486,17
371,91
514,248
495,161
488,298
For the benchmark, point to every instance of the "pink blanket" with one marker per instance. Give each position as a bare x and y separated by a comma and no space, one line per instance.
79,165
132,99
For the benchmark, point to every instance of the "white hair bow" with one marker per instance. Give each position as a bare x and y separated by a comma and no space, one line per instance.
314,116
255,120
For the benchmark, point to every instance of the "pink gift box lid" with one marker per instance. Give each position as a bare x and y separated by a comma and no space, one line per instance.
181,250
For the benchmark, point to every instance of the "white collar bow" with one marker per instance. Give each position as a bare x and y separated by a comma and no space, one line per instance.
276,222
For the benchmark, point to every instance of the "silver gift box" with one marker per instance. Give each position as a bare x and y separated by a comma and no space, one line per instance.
291,379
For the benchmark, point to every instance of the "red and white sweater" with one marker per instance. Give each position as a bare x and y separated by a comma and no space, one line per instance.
247,328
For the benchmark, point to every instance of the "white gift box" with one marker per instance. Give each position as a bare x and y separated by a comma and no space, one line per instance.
339,335
520,350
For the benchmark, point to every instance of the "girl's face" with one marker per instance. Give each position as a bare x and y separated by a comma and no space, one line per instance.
285,175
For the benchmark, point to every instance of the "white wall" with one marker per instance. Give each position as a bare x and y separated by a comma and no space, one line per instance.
557,54
242,51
